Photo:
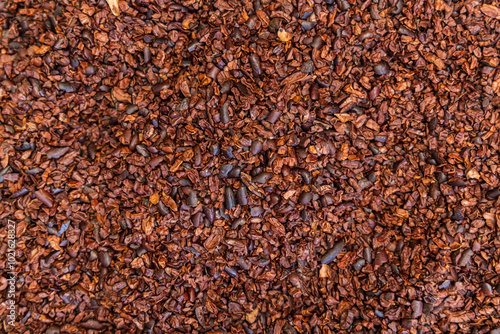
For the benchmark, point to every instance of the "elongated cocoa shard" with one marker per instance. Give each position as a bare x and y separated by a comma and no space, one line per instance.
256,166
45,197
465,258
229,198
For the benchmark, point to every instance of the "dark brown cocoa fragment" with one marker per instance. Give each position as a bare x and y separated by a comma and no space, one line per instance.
159,87
19,193
197,219
67,87
358,265
197,166
364,35
318,42
155,162
398,8
193,45
381,68
457,183
441,177
92,324
213,72
44,197
307,25
262,178
224,113
273,116
487,289
255,63
256,211
226,86
307,67
235,172
432,125
343,5
465,258
241,196
147,54
493,194
209,213
457,214
225,170
417,307
105,258
192,199
56,153
326,200
305,198
380,258
274,25
243,263
374,93
237,223
231,271
331,254
367,254
162,208
256,147
242,89
53,330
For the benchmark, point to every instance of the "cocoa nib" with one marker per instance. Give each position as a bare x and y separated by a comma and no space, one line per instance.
254,166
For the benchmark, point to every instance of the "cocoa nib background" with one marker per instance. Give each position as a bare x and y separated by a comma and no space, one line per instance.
251,167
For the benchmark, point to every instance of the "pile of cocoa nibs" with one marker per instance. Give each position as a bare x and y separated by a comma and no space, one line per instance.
267,166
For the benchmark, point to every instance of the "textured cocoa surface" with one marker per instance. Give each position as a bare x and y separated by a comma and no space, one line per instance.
251,167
